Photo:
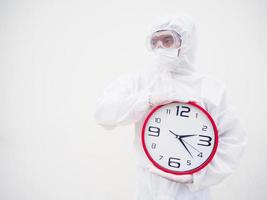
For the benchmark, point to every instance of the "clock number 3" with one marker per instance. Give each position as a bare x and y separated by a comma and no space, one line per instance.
154,131
183,112
205,141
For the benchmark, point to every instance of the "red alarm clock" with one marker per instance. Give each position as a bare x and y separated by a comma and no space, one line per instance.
179,138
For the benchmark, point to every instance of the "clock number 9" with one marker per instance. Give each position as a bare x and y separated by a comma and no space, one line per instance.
173,162
183,112
154,131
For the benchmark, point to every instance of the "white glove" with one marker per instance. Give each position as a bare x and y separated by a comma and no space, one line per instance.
172,177
161,98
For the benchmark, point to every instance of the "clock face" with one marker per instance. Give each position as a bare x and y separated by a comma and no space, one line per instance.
179,138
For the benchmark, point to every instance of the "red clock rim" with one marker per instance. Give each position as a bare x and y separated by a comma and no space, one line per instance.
189,171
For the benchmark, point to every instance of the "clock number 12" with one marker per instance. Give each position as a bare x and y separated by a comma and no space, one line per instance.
183,111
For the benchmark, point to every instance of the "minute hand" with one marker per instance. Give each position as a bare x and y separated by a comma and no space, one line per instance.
184,136
185,146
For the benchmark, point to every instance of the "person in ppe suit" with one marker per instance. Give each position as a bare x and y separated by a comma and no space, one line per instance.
172,77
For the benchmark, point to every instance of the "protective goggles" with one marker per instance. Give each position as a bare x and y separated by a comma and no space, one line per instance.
164,39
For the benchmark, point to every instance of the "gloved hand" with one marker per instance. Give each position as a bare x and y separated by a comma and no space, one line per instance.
159,99
166,97
172,177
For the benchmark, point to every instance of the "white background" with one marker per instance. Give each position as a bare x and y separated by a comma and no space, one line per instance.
56,57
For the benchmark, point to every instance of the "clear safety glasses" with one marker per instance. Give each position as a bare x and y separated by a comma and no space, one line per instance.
164,39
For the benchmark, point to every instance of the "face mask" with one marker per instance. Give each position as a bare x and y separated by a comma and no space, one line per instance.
171,53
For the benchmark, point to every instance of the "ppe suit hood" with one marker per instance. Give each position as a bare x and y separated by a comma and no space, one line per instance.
185,27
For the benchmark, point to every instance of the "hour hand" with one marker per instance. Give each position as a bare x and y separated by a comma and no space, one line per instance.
177,136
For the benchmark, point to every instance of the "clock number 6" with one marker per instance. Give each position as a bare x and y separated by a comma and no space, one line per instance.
154,131
183,112
173,162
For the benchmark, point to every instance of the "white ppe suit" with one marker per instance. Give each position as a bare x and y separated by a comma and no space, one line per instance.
129,99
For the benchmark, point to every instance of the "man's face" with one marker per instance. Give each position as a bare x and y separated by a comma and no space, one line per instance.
165,39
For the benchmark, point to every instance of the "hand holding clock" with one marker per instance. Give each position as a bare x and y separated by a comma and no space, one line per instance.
178,179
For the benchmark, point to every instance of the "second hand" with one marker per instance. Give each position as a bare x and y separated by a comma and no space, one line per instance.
191,146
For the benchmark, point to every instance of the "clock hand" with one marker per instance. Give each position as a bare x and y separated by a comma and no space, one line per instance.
191,146
177,136
183,136
185,146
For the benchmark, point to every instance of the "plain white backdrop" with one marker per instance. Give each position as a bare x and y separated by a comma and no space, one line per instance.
56,57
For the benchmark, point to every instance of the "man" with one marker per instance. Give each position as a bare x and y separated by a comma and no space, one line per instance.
173,76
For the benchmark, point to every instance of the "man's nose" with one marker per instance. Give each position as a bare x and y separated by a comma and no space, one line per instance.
159,44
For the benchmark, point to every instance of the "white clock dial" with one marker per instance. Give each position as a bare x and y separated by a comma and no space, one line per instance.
179,138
